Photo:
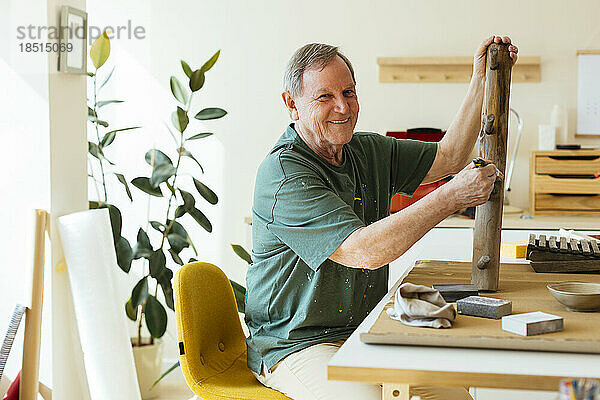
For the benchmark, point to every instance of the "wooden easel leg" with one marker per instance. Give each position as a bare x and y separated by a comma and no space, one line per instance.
29,386
396,391
45,392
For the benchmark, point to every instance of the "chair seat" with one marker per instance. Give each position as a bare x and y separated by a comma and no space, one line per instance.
237,382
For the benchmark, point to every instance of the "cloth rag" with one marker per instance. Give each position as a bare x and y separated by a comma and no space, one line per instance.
418,305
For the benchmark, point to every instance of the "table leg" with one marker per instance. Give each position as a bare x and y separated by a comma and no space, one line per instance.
395,391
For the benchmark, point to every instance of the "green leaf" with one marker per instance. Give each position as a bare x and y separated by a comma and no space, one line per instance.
188,200
105,81
91,74
200,219
159,157
206,192
210,113
180,119
208,65
242,253
139,292
178,91
175,257
239,293
143,248
130,310
124,254
105,102
100,50
180,230
186,68
158,226
177,228
157,263
192,260
167,287
155,316
124,129
180,211
161,173
122,179
92,205
186,153
107,139
144,185
197,80
95,150
94,120
115,221
177,242
199,136
167,372
91,112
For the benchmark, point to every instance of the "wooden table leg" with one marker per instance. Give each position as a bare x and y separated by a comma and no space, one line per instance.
396,391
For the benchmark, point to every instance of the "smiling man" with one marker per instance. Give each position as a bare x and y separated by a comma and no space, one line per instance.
323,235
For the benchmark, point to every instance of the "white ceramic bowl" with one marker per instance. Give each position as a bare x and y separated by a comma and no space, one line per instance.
577,296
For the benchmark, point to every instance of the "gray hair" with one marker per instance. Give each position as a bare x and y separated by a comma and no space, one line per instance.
313,55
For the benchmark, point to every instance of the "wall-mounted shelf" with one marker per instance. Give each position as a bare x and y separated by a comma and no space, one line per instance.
447,69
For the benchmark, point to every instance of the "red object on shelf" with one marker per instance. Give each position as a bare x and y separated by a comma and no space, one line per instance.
400,201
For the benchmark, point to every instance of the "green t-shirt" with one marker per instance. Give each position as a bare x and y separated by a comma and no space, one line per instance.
304,208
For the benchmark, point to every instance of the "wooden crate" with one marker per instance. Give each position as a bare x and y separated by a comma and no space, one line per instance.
560,182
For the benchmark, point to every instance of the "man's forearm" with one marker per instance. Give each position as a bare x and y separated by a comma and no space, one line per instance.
387,239
460,138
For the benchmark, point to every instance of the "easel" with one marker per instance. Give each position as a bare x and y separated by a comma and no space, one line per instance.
29,385
493,140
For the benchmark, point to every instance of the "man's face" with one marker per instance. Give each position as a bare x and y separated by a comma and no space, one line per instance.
327,109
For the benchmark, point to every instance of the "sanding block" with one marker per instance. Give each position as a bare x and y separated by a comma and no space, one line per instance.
532,323
453,292
513,249
485,307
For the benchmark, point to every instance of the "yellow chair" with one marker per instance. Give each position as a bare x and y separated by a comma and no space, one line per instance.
212,345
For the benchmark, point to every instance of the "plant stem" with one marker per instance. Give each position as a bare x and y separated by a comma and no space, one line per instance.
98,137
170,224
94,179
181,143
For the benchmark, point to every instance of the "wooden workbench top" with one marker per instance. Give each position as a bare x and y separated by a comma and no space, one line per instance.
532,222
518,283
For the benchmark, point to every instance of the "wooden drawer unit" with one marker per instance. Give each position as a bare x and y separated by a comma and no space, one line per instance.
564,182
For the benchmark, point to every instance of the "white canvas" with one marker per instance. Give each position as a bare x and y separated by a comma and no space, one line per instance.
588,94
91,261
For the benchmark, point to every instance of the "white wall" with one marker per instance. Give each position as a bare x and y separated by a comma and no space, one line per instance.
258,37
25,177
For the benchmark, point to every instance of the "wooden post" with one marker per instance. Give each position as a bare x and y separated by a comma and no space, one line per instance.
29,385
493,139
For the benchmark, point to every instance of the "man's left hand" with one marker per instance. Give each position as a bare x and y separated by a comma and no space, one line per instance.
480,54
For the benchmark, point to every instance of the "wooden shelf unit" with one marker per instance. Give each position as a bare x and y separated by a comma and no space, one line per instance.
447,69
560,183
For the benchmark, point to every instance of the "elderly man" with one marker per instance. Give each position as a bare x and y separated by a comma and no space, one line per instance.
322,230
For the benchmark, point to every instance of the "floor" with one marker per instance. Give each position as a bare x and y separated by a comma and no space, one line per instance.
174,390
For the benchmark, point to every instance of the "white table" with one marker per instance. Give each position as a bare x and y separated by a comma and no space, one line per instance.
399,366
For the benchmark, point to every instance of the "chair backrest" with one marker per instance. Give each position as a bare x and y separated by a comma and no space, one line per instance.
209,331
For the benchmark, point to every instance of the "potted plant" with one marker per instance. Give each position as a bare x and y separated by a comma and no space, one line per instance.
100,168
164,243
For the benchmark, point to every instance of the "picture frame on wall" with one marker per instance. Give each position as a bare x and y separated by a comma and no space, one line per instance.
73,41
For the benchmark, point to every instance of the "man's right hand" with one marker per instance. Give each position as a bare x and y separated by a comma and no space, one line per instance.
471,186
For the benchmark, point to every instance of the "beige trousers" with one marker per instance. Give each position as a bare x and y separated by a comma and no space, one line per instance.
303,376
